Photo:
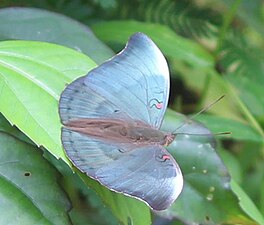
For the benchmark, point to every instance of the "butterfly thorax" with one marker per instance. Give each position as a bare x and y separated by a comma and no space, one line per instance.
121,131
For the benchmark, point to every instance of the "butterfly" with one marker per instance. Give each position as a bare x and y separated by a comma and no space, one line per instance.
111,119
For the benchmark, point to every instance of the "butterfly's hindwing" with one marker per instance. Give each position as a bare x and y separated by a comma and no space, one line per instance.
149,173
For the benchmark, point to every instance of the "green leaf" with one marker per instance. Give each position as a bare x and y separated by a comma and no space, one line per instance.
207,197
246,204
87,206
250,92
32,77
6,127
232,163
210,86
239,131
243,58
171,44
41,25
128,210
193,21
262,197
29,192
251,14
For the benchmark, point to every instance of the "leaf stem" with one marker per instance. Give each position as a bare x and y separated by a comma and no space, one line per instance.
245,110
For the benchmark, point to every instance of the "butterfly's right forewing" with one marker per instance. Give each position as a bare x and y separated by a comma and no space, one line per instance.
132,85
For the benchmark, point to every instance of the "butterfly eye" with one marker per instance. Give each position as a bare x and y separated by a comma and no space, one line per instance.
168,139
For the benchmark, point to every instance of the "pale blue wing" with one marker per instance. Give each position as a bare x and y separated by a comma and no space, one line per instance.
148,173
133,84
78,100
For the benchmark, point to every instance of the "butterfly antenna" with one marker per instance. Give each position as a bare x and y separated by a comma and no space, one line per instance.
198,113
223,133
215,134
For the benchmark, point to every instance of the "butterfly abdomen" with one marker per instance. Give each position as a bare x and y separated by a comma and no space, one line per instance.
118,130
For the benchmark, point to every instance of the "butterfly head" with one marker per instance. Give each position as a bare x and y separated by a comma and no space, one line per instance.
168,139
